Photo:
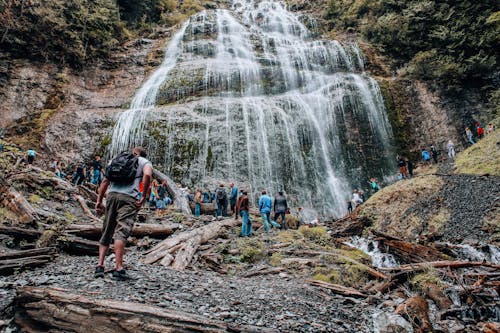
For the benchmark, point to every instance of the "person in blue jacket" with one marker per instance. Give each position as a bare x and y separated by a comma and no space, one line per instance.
426,156
265,206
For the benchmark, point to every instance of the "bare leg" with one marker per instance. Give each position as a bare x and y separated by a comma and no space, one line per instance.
103,249
119,251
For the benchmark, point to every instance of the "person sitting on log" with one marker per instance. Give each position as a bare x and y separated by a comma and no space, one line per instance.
122,177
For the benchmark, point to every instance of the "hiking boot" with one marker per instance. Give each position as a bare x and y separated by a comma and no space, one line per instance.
99,272
120,275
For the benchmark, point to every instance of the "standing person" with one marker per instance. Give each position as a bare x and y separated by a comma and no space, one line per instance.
233,196
402,166
409,167
97,166
426,156
356,199
374,185
79,174
242,208
221,197
280,208
122,204
479,130
197,203
434,154
30,155
349,207
451,150
265,206
161,192
469,135
207,196
490,128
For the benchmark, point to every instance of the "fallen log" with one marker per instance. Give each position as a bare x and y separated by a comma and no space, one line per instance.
206,208
439,264
263,271
11,265
18,204
186,253
338,289
93,231
57,311
85,208
79,246
27,253
20,233
180,201
205,233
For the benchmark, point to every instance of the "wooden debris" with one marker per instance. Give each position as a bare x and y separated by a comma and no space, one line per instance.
439,264
18,204
93,231
263,271
20,233
58,311
200,236
85,208
13,261
338,289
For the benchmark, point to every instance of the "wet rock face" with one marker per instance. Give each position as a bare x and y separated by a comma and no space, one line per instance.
72,111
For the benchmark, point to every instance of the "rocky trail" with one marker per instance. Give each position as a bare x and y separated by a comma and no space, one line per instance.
192,274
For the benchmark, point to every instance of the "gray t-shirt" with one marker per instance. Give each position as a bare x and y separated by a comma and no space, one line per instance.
131,189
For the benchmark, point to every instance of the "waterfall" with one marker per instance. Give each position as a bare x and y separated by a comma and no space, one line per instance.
248,94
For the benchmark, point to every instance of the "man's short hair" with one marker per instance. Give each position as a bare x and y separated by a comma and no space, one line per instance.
141,151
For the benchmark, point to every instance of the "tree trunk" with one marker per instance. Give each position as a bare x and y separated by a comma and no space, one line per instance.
338,289
57,311
18,204
93,231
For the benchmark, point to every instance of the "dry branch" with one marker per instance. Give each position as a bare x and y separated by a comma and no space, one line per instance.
439,264
338,289
93,231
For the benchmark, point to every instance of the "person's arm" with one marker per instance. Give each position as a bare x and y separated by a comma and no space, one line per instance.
99,207
147,173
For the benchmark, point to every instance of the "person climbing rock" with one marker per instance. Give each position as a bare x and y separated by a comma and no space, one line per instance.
479,130
409,167
490,128
265,206
349,207
97,173
451,150
233,196
122,204
241,209
30,155
221,200
197,203
356,199
469,135
434,154
280,208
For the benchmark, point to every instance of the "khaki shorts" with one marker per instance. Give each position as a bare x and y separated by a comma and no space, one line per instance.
119,217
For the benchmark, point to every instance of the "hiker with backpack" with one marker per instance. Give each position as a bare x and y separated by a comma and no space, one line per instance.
280,209
434,153
242,209
78,174
221,201
122,177
265,206
97,171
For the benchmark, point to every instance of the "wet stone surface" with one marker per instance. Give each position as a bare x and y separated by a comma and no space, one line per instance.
280,301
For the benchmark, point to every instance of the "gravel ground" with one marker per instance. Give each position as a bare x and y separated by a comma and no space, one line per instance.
275,301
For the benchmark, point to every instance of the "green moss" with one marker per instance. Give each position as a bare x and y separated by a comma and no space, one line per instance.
46,192
34,199
275,259
420,281
70,217
250,250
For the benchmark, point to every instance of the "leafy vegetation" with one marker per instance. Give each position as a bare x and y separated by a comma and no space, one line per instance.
79,32
451,45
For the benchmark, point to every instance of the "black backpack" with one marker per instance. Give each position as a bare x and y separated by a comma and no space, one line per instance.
122,168
221,194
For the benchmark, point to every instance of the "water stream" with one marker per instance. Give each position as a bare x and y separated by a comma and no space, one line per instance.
249,94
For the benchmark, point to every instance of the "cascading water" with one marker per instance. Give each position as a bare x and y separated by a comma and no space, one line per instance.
247,94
